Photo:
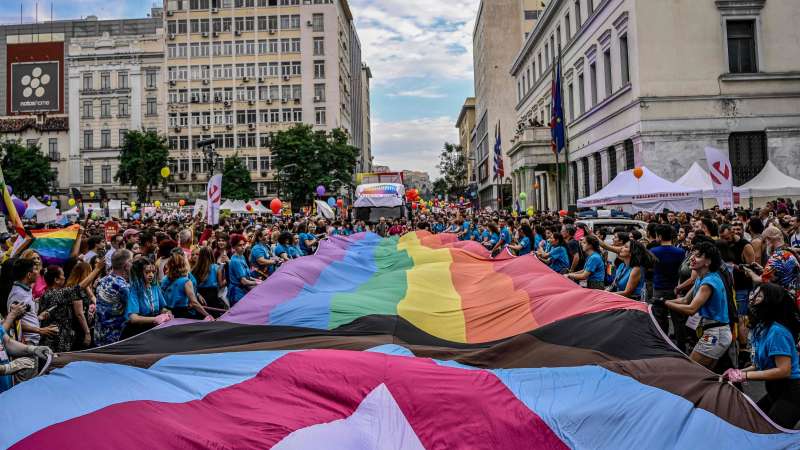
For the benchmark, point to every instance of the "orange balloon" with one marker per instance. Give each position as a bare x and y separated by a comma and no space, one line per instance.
182,202
638,172
536,185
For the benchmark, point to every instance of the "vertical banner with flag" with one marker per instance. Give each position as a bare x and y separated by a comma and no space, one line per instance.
214,193
719,168
557,112
499,172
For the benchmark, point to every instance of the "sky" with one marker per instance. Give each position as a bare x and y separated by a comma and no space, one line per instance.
419,51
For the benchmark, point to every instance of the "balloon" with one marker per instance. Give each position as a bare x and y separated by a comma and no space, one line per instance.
248,207
562,213
275,205
20,206
530,211
91,194
46,197
339,203
165,172
49,203
157,204
331,202
182,202
54,204
413,206
71,202
523,196
133,204
638,172
258,202
320,190
536,185
133,208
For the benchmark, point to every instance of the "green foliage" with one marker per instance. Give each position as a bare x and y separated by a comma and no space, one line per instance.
26,169
306,159
236,182
141,159
440,187
453,165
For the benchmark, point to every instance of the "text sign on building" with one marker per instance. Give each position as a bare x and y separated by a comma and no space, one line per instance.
35,87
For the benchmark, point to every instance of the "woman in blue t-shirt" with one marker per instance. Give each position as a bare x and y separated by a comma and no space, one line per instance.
179,288
632,263
709,300
774,331
524,243
282,247
210,278
146,307
238,272
594,270
557,257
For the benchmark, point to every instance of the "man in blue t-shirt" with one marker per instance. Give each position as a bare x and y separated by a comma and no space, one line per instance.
665,279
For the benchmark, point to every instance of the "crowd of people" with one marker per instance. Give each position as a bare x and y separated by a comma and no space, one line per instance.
724,286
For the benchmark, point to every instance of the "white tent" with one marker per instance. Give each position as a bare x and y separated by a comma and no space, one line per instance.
697,178
226,205
771,182
648,193
239,206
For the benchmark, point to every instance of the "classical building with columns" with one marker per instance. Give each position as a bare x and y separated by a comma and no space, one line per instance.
652,83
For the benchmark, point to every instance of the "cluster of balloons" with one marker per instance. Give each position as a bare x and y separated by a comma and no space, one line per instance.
412,195
337,202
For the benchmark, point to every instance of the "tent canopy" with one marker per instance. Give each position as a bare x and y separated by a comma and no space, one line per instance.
771,182
649,193
696,178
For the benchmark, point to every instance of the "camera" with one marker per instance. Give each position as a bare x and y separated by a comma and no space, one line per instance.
27,306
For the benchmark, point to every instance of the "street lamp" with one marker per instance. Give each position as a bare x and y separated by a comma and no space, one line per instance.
210,154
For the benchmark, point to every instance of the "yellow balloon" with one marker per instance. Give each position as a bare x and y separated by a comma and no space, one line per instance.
91,194
71,202
133,208
165,171
157,203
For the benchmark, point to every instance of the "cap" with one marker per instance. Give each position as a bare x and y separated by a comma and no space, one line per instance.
130,232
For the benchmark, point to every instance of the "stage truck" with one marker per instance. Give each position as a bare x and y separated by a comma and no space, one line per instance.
376,200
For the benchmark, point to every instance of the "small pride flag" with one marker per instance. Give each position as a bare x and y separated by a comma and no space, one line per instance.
55,246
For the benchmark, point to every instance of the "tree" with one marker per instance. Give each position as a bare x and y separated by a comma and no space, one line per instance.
306,159
26,169
143,156
440,187
236,182
453,165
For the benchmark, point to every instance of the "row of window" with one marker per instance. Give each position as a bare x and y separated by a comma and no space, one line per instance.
240,71
580,180
196,5
242,48
105,174
198,165
284,93
150,76
244,24
245,117
105,139
52,147
123,108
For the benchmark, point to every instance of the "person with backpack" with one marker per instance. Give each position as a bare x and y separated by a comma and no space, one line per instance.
709,299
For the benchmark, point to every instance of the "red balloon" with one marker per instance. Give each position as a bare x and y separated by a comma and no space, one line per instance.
275,205
248,207
562,213
414,205
339,202
258,202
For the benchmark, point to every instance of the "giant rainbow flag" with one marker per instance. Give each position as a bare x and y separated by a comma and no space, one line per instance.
412,343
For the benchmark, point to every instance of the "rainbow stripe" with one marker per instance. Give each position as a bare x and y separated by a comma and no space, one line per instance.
448,289
55,246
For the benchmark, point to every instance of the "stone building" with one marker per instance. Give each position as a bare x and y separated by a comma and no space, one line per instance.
466,127
652,83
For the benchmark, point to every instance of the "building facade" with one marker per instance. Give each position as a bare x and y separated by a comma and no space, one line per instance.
501,27
466,127
646,83
366,129
418,180
240,70
115,84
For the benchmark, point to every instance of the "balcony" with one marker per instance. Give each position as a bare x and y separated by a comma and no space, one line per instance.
531,148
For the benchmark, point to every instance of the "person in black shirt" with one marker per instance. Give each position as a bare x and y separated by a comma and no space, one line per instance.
665,274
573,248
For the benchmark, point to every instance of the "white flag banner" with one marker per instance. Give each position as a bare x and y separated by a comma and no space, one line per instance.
214,198
721,172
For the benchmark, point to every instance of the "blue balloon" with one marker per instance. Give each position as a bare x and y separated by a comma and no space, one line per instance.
331,202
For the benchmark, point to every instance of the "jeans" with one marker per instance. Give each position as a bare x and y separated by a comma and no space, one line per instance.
660,311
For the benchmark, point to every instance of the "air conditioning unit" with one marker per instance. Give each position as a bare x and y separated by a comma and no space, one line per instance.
172,82
317,99
177,129
286,78
263,174
229,126
269,101
310,23
251,102
206,127
227,104
172,36
237,33
217,99
205,81
251,126
260,79
205,34
182,176
194,176
215,34
285,100
170,13
272,31
214,10
297,101
245,79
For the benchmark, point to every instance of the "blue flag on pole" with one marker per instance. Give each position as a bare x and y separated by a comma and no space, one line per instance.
557,112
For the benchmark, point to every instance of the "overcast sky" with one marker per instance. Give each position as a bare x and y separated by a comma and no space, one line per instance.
420,53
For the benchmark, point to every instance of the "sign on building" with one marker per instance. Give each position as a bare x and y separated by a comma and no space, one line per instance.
35,87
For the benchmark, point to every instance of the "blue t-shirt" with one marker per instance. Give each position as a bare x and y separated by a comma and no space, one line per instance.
303,238
716,307
505,235
6,381
771,342
621,277
294,251
211,279
536,241
596,266
525,242
237,269
559,260
174,292
147,302
258,251
667,268
281,249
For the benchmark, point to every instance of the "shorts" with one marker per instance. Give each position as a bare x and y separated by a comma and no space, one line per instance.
742,299
714,342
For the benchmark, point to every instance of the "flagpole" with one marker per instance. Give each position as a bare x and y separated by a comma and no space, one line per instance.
566,137
553,125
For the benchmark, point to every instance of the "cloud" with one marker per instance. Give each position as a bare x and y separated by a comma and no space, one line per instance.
412,144
416,38
427,92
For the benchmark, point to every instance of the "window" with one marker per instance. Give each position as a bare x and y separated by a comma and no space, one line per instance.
748,153
265,162
571,100
88,83
593,83
52,149
547,54
552,48
581,95
123,107
319,69
319,116
531,15
105,80
151,77
122,133
598,172
590,6
122,80
88,174
105,109
612,163
607,71
319,92
105,173
32,143
183,165
252,163
87,139
319,46
567,26
105,138
318,23
742,46
630,159
152,108
540,64
87,109
578,15
585,165
558,38
623,59
574,169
